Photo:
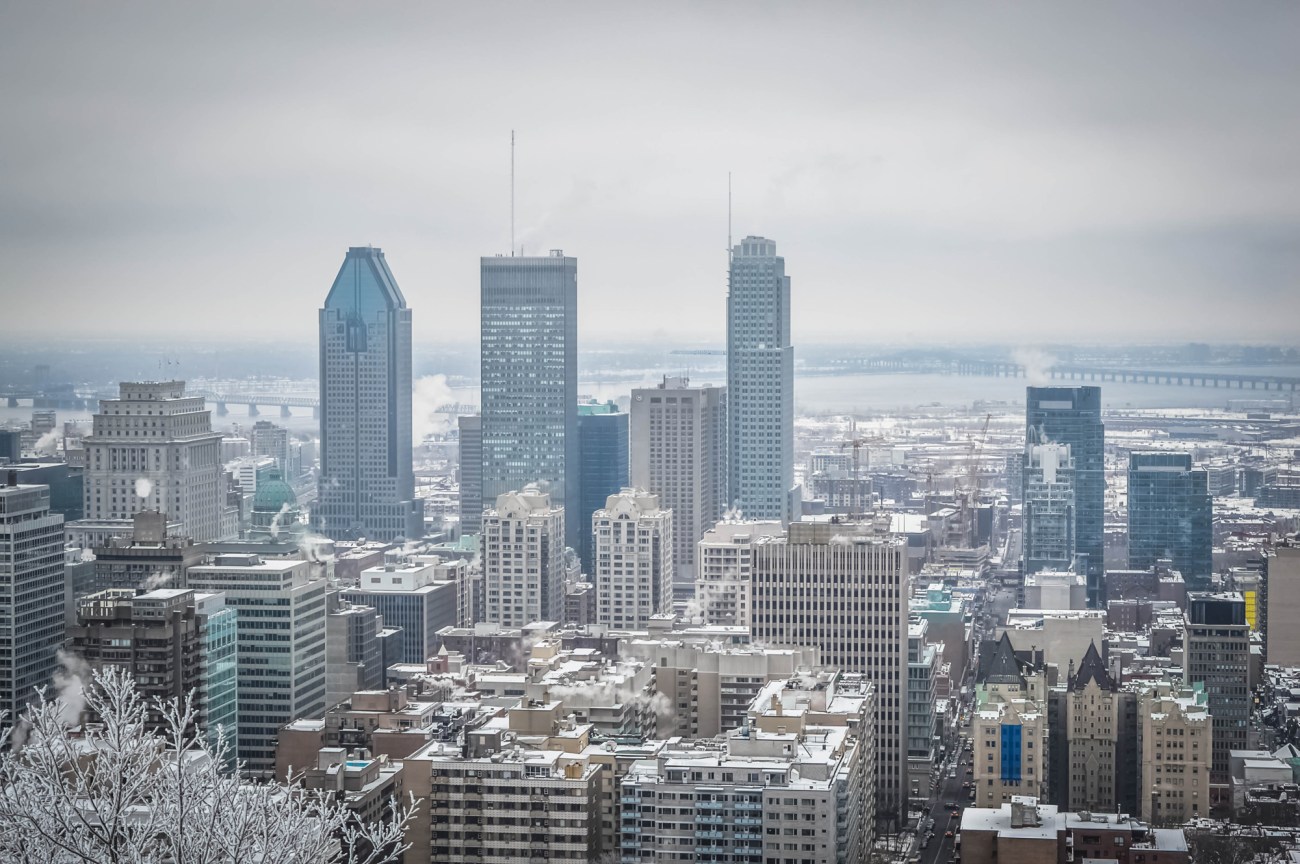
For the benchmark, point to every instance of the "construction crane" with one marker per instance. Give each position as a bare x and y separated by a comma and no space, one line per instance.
855,507
971,497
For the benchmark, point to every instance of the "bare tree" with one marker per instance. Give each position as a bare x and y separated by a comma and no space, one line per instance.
117,792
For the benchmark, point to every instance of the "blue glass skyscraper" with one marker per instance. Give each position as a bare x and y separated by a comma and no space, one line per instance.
1072,415
367,485
1170,515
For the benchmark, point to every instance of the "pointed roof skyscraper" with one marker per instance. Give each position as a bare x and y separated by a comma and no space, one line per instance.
1093,668
1005,667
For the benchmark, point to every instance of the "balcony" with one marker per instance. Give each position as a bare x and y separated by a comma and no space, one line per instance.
749,805
707,819
707,835
748,820
708,805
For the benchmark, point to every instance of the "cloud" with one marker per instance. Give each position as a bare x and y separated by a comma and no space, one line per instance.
429,394
70,680
143,487
1037,363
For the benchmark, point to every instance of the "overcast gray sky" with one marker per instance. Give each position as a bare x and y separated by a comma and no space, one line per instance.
931,171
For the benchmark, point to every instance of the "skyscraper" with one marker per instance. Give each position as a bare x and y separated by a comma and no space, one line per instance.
760,384
367,487
602,467
842,588
153,448
1072,415
31,593
529,378
679,452
1170,515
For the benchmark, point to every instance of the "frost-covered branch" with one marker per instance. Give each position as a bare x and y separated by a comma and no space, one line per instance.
115,791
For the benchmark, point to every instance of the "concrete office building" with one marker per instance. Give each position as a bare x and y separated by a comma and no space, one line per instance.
602,468
1170,516
679,452
1174,730
760,384
1049,541
523,559
281,645
470,449
171,641
633,562
1216,654
150,557
366,486
725,556
842,588
1072,416
1282,604
529,378
268,439
413,595
153,448
31,593
354,656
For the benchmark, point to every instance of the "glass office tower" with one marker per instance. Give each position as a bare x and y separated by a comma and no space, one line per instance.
760,384
529,378
367,486
1170,515
1072,416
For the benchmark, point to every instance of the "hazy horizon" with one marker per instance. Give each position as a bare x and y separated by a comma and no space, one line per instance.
1045,174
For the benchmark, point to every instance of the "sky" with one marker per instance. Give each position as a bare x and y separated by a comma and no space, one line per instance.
931,172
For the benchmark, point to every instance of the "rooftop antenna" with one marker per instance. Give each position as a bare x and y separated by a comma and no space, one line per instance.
512,193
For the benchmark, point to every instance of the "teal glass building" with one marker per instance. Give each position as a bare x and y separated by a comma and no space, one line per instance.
367,484
1170,515
219,672
602,466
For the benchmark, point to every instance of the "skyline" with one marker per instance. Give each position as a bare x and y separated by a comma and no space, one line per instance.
947,171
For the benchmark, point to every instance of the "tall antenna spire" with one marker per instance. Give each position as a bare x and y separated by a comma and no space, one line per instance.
728,217
512,193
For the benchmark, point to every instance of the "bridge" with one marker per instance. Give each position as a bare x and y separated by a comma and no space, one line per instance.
67,401
1226,379
287,402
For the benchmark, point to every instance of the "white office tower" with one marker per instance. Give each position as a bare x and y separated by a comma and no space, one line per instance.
281,648
31,593
726,562
679,452
633,569
522,544
153,448
841,587
760,384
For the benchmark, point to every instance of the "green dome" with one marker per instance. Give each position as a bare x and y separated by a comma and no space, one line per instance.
273,494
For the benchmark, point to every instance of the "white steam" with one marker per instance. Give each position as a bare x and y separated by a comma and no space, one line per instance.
275,522
70,687
143,487
733,514
429,394
157,579
1037,363
694,612
48,444
316,548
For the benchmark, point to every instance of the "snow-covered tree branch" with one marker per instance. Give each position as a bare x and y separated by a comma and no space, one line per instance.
114,791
